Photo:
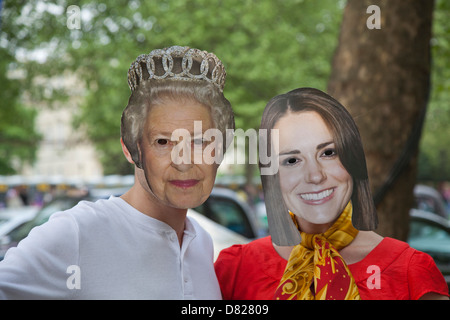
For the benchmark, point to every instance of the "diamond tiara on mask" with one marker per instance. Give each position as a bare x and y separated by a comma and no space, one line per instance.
159,64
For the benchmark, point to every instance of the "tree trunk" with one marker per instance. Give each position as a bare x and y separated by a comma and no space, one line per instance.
382,76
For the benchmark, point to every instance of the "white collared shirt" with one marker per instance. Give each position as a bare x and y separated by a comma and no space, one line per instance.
109,250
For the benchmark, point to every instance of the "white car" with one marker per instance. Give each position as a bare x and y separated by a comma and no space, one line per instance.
11,218
222,237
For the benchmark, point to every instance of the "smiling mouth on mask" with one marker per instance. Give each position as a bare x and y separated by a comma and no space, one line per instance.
317,195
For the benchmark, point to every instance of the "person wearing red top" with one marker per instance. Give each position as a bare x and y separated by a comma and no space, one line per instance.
253,272
321,215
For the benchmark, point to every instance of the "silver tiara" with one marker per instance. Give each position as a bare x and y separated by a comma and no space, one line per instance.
211,68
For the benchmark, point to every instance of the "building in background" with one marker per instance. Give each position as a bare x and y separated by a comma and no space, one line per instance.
64,152
65,157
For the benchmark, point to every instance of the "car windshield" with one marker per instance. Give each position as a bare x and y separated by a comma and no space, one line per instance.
227,213
3,220
425,230
42,216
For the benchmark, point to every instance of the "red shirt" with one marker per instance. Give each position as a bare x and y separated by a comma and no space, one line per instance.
392,271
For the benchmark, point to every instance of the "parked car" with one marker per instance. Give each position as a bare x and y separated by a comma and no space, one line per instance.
223,205
227,209
429,199
13,237
11,218
430,233
222,237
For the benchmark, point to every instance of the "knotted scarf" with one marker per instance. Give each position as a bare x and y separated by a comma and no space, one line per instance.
315,269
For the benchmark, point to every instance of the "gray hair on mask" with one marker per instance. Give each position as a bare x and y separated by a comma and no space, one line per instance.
153,92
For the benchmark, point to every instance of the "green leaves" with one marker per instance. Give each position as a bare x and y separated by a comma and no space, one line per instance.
267,46
434,155
260,43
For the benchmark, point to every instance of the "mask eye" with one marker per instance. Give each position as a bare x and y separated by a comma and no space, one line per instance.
290,161
329,153
162,142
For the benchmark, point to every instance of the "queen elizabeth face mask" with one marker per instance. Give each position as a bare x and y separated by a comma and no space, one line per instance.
182,184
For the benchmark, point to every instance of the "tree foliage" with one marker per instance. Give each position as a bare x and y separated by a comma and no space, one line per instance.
18,138
434,156
268,47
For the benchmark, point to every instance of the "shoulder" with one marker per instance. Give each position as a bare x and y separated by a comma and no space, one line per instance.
232,256
256,256
388,254
397,271
97,218
40,261
90,209
398,253
364,243
249,271
84,223
255,247
61,233
424,276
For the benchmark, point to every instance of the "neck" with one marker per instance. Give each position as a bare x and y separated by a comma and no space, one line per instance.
148,204
312,228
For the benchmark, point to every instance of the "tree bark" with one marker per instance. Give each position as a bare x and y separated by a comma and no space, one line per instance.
383,77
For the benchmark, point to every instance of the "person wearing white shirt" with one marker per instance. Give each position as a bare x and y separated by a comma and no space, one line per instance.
140,245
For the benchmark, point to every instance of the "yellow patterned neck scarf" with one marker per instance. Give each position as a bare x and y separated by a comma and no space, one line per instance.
316,270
